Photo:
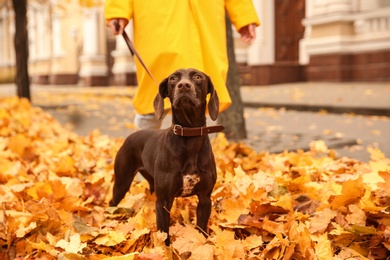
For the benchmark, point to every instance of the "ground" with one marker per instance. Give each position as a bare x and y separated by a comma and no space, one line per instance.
55,186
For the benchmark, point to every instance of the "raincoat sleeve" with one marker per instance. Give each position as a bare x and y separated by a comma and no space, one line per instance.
118,9
241,13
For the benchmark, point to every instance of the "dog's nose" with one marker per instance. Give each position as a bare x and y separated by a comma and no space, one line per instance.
185,84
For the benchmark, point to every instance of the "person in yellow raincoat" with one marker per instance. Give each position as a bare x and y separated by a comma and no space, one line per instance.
173,34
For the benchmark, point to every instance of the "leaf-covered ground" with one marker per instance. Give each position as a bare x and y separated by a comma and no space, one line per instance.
55,187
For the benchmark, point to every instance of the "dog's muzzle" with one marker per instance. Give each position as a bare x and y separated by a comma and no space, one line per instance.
185,93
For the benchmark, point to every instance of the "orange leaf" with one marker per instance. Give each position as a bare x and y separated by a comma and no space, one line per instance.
65,167
321,220
352,191
21,145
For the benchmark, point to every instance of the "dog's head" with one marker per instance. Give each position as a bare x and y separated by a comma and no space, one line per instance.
187,89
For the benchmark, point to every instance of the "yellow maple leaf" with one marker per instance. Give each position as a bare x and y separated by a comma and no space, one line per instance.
22,231
285,202
111,238
352,191
159,238
228,247
253,241
241,181
44,247
372,178
66,166
263,180
40,190
323,247
375,154
367,203
137,233
233,209
74,244
205,251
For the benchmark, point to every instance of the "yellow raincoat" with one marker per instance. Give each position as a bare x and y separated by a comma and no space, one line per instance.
173,34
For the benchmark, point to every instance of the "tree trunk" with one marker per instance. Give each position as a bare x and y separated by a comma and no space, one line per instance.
233,118
21,49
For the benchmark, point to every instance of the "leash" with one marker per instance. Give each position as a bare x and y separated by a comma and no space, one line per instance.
134,52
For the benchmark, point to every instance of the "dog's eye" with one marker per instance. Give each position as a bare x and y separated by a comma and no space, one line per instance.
198,77
173,78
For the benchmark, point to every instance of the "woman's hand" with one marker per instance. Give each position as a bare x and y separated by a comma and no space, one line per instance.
248,33
117,25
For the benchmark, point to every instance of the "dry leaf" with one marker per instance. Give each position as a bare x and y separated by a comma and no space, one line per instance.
112,238
321,220
74,244
55,187
352,191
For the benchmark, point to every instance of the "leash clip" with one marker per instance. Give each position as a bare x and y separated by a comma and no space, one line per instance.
178,127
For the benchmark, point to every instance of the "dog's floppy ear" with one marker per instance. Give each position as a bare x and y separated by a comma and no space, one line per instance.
213,101
158,102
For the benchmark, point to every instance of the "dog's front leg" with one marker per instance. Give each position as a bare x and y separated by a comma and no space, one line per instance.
163,207
203,212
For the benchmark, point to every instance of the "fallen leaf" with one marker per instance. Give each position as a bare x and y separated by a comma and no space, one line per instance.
352,191
74,244
55,187
357,216
112,238
321,220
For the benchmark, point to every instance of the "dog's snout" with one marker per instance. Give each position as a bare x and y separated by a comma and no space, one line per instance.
185,84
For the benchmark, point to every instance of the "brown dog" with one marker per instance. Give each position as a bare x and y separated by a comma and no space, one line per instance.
178,161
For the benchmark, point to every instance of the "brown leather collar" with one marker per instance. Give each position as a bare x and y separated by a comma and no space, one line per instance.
195,131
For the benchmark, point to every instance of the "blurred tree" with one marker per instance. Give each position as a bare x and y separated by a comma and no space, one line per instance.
21,49
233,118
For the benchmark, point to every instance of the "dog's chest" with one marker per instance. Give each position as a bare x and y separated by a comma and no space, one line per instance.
189,183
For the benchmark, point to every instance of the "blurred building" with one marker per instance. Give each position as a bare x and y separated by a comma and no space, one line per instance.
300,40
